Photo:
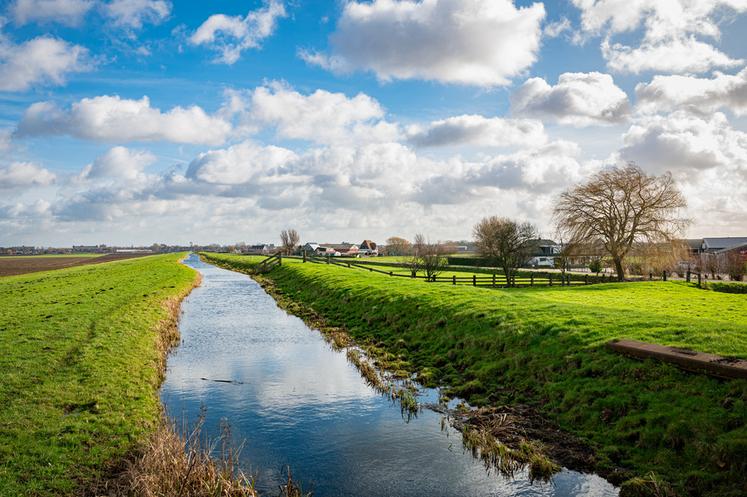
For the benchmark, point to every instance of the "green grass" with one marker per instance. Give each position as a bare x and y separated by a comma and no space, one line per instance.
80,368
545,347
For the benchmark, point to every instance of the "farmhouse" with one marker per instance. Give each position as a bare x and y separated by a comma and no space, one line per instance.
345,248
368,248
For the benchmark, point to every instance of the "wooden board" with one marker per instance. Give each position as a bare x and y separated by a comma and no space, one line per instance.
690,360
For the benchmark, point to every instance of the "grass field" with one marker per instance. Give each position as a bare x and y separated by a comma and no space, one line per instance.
81,360
545,347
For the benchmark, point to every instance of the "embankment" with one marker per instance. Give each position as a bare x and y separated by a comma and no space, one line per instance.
544,348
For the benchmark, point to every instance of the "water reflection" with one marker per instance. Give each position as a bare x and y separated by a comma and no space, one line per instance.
301,404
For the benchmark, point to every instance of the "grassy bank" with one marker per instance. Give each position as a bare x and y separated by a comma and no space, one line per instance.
545,347
82,356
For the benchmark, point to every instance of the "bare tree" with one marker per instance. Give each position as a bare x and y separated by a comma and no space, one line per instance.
619,207
504,242
289,240
398,246
566,256
734,265
427,257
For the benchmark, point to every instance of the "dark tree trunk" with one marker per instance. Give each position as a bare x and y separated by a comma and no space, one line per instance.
619,268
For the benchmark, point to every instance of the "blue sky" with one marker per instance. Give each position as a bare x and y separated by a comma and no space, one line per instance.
359,119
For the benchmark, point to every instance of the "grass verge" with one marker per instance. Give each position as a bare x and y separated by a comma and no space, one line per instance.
83,351
544,347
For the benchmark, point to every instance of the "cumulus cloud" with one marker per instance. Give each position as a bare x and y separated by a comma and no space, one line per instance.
111,118
474,42
43,60
557,28
723,91
321,116
68,12
686,143
134,14
120,163
239,163
231,35
579,99
24,174
478,130
673,33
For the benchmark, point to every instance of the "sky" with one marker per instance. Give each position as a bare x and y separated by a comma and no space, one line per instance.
150,121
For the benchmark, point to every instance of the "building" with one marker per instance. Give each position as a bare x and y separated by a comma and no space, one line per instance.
719,244
345,249
368,248
543,253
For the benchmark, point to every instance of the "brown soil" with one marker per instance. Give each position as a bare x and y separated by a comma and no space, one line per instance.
10,266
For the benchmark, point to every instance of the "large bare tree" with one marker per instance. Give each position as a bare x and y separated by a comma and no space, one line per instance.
620,207
289,240
504,242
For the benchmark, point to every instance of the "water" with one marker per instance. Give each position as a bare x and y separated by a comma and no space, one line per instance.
302,405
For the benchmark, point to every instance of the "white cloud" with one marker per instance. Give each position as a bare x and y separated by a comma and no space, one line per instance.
231,35
673,33
239,164
68,12
321,116
478,130
686,144
557,28
474,42
120,163
723,91
5,139
134,14
579,99
111,118
674,56
24,174
40,61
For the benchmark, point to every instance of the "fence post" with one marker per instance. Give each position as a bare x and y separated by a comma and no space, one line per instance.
328,259
650,276
474,280
493,280
688,276
549,277
453,279
390,273
280,259
304,256
664,275
586,279
569,279
531,279
698,280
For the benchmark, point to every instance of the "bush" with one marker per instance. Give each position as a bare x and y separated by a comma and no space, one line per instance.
727,287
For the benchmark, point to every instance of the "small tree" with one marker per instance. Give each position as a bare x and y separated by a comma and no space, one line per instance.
595,265
621,207
289,240
427,257
734,265
398,246
504,242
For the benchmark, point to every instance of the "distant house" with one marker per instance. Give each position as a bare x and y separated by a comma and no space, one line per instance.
260,249
368,248
310,247
346,249
543,253
718,244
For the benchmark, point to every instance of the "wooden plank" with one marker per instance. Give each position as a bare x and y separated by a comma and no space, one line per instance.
690,360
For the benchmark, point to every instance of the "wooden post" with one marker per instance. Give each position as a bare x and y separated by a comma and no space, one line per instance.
698,280
280,259
569,279
586,279
664,275
493,280
650,276
328,258
531,279
549,276
390,273
304,256
453,279
474,280
688,276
